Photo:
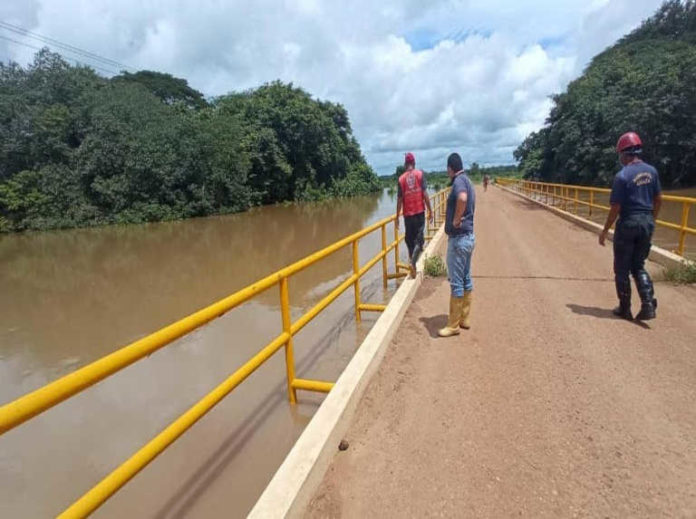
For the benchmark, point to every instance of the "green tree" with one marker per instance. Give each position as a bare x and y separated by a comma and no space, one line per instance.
168,88
78,149
645,83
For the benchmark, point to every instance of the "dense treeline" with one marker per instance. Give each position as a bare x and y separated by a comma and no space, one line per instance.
645,83
77,149
439,179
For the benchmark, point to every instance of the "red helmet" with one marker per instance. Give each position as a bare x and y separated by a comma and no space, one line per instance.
409,159
628,140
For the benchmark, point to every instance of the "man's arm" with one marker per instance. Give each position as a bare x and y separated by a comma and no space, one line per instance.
615,200
459,209
657,204
426,199
611,218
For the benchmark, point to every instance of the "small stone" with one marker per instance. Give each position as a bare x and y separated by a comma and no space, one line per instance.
343,445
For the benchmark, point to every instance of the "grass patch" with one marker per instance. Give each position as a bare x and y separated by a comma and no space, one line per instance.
434,266
683,274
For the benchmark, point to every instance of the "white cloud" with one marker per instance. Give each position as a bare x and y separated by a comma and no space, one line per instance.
479,84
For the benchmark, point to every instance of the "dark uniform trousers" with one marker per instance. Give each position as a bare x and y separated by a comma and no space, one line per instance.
631,248
415,227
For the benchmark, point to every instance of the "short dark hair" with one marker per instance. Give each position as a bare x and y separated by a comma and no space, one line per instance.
454,161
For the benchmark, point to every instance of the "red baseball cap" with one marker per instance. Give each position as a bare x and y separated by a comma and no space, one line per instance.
409,159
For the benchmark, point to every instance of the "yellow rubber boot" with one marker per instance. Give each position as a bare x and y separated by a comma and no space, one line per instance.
464,321
455,311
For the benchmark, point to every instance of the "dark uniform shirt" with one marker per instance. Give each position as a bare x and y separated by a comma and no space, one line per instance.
635,187
461,184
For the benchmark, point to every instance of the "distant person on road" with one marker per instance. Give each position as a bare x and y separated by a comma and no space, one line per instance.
636,197
486,180
413,199
459,227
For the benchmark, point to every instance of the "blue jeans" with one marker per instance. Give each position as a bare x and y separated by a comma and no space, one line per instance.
459,251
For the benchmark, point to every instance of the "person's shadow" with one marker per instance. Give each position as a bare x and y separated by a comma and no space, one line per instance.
434,323
593,311
600,313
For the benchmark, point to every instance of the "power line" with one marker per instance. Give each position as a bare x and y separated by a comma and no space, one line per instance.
66,57
63,46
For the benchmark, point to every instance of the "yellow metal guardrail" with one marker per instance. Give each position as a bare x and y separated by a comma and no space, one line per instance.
38,401
569,198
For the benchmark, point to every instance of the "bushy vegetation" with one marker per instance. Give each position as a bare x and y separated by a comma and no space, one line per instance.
683,274
645,83
77,149
434,266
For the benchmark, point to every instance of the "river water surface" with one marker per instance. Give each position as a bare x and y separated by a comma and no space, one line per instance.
70,297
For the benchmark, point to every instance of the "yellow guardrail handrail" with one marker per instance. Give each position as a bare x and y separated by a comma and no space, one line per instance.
562,193
24,408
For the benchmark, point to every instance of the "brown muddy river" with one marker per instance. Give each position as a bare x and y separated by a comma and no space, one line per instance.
70,297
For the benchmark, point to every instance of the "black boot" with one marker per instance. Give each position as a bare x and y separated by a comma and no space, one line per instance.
623,310
623,291
647,296
647,312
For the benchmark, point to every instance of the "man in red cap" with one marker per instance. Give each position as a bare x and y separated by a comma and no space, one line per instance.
413,199
636,197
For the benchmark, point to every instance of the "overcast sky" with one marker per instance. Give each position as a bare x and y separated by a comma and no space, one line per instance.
429,77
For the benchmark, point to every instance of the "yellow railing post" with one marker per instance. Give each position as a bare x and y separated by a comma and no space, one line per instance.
396,247
384,258
684,221
356,284
591,202
287,324
576,200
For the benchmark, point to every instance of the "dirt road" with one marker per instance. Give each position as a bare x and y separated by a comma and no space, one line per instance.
547,407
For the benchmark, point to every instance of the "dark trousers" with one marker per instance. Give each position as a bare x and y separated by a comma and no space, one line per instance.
415,227
632,240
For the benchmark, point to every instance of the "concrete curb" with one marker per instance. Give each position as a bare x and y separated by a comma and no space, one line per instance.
658,255
294,484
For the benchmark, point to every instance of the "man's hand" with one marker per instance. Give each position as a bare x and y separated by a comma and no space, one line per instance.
457,223
603,237
430,216
396,222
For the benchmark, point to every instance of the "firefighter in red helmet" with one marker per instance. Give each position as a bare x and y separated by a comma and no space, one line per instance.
413,199
635,198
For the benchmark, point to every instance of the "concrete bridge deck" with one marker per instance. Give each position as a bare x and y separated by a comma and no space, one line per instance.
547,407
